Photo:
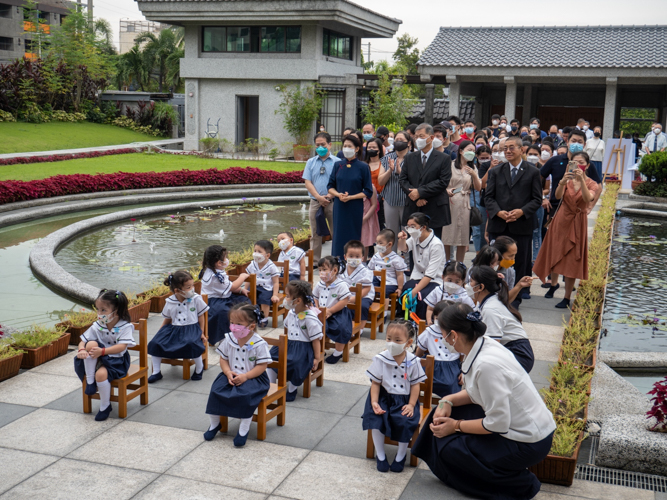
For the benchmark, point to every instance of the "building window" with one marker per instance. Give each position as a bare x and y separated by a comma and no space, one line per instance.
251,39
637,120
333,113
5,10
6,43
337,45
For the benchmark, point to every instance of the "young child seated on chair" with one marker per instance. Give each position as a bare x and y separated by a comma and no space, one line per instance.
222,293
355,272
295,255
447,366
304,334
102,355
392,406
181,335
332,292
267,277
385,258
239,389
454,276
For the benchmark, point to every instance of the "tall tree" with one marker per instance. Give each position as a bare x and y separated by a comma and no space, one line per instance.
407,53
158,50
131,67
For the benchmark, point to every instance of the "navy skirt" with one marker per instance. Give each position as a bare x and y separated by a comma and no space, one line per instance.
218,316
236,401
365,306
523,352
339,326
300,358
388,289
421,305
177,342
446,377
294,277
264,296
391,423
482,466
116,367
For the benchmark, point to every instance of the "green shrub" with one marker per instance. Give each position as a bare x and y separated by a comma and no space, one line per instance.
63,116
655,189
79,319
6,116
36,336
32,113
7,351
654,166
125,122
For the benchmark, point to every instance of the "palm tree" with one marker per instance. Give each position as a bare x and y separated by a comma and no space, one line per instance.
159,52
132,67
104,36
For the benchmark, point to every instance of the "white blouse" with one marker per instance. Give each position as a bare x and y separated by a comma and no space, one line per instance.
428,257
186,312
394,378
122,333
304,326
496,381
501,324
393,263
295,255
264,274
439,294
431,341
216,284
328,296
242,359
361,275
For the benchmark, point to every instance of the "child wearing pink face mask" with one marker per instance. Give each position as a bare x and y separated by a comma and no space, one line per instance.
238,390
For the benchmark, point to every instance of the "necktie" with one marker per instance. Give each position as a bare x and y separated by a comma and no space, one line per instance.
514,169
424,160
655,143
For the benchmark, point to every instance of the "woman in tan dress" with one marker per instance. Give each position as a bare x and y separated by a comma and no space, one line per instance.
464,178
565,247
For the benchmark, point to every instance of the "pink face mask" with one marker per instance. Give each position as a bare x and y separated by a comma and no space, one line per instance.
239,331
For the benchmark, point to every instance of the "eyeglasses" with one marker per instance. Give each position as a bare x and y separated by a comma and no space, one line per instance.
510,148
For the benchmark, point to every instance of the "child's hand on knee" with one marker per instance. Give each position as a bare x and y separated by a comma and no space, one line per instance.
408,410
82,354
377,409
96,352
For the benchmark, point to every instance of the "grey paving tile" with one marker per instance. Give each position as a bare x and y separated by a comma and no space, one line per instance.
349,439
202,386
332,397
172,376
166,487
550,316
540,372
37,389
74,402
590,490
9,412
184,410
358,409
425,485
20,465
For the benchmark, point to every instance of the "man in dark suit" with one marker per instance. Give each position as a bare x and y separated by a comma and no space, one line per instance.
424,178
513,195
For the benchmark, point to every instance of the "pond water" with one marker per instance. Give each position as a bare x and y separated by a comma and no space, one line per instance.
635,313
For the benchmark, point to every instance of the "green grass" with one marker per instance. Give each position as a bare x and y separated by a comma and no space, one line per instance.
138,162
21,137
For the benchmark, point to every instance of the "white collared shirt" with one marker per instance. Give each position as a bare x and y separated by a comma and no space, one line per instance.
294,255
186,312
501,324
361,274
394,378
393,263
428,257
122,333
264,274
242,359
431,341
328,296
216,284
439,294
304,326
497,382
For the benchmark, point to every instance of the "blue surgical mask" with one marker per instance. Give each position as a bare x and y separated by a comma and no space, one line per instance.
368,137
524,134
469,131
553,134
575,147
321,151
533,126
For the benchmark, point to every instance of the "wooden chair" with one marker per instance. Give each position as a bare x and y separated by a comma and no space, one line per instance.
134,384
319,373
355,340
188,363
393,300
377,308
274,403
277,308
252,286
309,266
424,400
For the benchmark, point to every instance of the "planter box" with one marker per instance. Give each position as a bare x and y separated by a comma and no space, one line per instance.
636,183
157,303
590,365
9,367
75,332
301,152
40,355
140,311
558,470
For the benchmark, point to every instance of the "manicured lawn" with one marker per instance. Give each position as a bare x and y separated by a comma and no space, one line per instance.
138,162
20,137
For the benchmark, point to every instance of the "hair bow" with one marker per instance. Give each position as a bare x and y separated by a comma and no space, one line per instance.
171,277
474,316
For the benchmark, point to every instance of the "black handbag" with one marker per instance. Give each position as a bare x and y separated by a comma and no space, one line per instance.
475,213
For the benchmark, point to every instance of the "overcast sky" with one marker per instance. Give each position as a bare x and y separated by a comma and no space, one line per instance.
422,21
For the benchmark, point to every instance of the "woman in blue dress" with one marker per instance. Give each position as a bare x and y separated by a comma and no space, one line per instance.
350,183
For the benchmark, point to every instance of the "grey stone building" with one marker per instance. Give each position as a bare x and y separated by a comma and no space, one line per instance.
558,74
238,52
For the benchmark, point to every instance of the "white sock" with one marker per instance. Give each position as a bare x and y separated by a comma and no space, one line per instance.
378,441
157,364
215,420
402,451
89,364
199,364
104,388
273,375
291,387
337,353
244,427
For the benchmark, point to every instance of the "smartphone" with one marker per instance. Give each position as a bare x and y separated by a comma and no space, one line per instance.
457,190
572,166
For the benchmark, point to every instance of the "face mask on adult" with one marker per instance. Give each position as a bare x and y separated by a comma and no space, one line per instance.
534,126
532,159
503,125
470,290
450,347
421,143
545,155
469,131
372,153
524,134
553,135
368,137
469,155
597,134
495,122
400,145
395,349
349,153
437,143
501,157
657,130
390,140
585,128
414,232
322,151
514,128
507,263
576,147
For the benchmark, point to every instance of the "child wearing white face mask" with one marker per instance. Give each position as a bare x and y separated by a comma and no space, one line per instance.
181,335
304,334
454,276
355,272
392,407
394,265
295,255
267,277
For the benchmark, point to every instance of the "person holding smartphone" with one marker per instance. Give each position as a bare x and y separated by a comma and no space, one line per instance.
464,179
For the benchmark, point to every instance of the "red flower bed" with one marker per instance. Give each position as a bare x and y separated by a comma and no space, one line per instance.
52,158
61,185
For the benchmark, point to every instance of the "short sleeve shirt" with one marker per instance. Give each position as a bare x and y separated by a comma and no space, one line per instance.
122,333
216,284
394,378
186,312
439,294
328,296
264,275
556,168
361,275
393,263
304,326
428,257
295,256
244,358
432,341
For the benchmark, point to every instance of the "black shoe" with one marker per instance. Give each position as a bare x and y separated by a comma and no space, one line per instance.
91,388
563,304
397,466
550,293
239,440
525,294
332,360
155,377
103,414
546,285
197,376
383,465
210,434
291,396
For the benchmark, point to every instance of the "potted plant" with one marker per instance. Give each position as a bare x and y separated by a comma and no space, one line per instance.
561,463
76,323
658,414
138,307
654,167
300,107
40,344
10,361
157,295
